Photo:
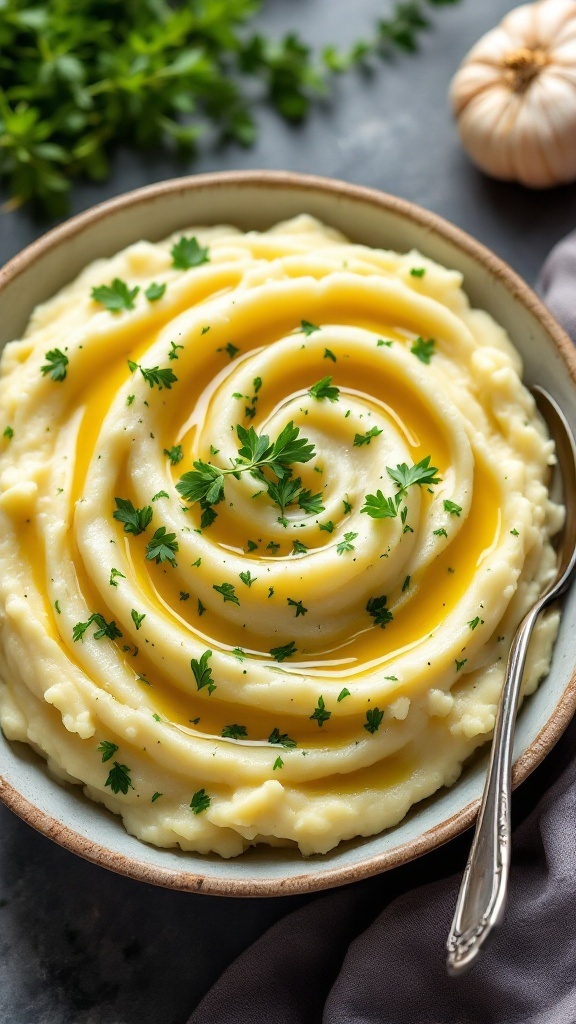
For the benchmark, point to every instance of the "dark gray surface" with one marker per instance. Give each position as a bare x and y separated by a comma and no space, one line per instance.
79,945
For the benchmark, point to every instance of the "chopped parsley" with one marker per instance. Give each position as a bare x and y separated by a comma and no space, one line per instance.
278,763
115,575
104,629
459,664
200,801
234,732
298,548
346,544
155,376
286,651
324,389
137,619
8,432
107,749
452,507
187,253
373,719
423,350
160,494
155,291
119,778
307,328
156,796
300,609
247,578
360,439
135,520
320,713
202,672
175,454
310,503
328,354
477,621
328,527
116,296
162,547
343,693
228,592
282,739
201,608
379,507
376,607
421,473
56,363
417,271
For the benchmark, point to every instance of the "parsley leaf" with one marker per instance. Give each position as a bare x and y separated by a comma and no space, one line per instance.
162,547
360,439
320,714
228,592
379,507
298,548
56,363
104,628
202,672
311,503
278,763
346,544
247,578
477,621
135,520
119,778
422,473
155,291
328,354
137,619
175,454
307,328
452,507
281,653
234,732
373,720
282,739
300,609
423,350
376,607
324,389
107,749
343,693
160,378
200,801
116,296
187,253
115,575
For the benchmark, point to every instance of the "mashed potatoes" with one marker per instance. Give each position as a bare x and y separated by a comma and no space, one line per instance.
271,507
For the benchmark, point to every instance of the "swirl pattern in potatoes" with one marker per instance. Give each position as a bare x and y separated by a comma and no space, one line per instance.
271,508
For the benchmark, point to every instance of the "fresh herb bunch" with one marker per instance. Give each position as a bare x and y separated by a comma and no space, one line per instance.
78,76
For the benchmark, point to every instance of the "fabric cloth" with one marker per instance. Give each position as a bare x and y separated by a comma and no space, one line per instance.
374,952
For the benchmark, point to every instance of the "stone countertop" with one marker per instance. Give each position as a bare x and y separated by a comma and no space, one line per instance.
79,945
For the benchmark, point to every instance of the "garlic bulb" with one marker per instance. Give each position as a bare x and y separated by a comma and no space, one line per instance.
514,96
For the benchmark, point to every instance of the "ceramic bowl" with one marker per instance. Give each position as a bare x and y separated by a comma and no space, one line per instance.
258,200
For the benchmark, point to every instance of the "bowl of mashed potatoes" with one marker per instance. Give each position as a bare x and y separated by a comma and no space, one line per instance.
273,500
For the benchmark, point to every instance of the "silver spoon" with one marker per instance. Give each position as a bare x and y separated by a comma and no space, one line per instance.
482,896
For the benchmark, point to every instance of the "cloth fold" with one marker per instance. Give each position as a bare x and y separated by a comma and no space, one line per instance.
374,952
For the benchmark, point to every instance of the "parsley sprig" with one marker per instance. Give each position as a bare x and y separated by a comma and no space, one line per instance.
205,483
79,79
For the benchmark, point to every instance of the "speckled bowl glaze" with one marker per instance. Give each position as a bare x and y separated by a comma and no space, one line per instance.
258,200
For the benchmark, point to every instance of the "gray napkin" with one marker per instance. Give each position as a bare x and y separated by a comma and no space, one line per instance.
374,952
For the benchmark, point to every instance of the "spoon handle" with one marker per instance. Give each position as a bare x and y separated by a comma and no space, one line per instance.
482,896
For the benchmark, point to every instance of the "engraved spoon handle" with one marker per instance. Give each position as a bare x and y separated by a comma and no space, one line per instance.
482,896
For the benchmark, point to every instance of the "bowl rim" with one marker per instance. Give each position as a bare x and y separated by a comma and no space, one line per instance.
193,881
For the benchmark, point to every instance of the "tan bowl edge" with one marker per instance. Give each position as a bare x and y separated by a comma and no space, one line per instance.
564,710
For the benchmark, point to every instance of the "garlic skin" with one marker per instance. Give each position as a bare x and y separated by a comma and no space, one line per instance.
514,96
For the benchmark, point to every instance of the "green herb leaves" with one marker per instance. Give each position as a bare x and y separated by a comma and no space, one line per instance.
56,363
188,253
423,350
162,547
135,520
119,778
376,607
200,801
107,749
379,507
155,376
324,389
202,672
205,484
320,714
104,628
116,296
405,476
360,439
